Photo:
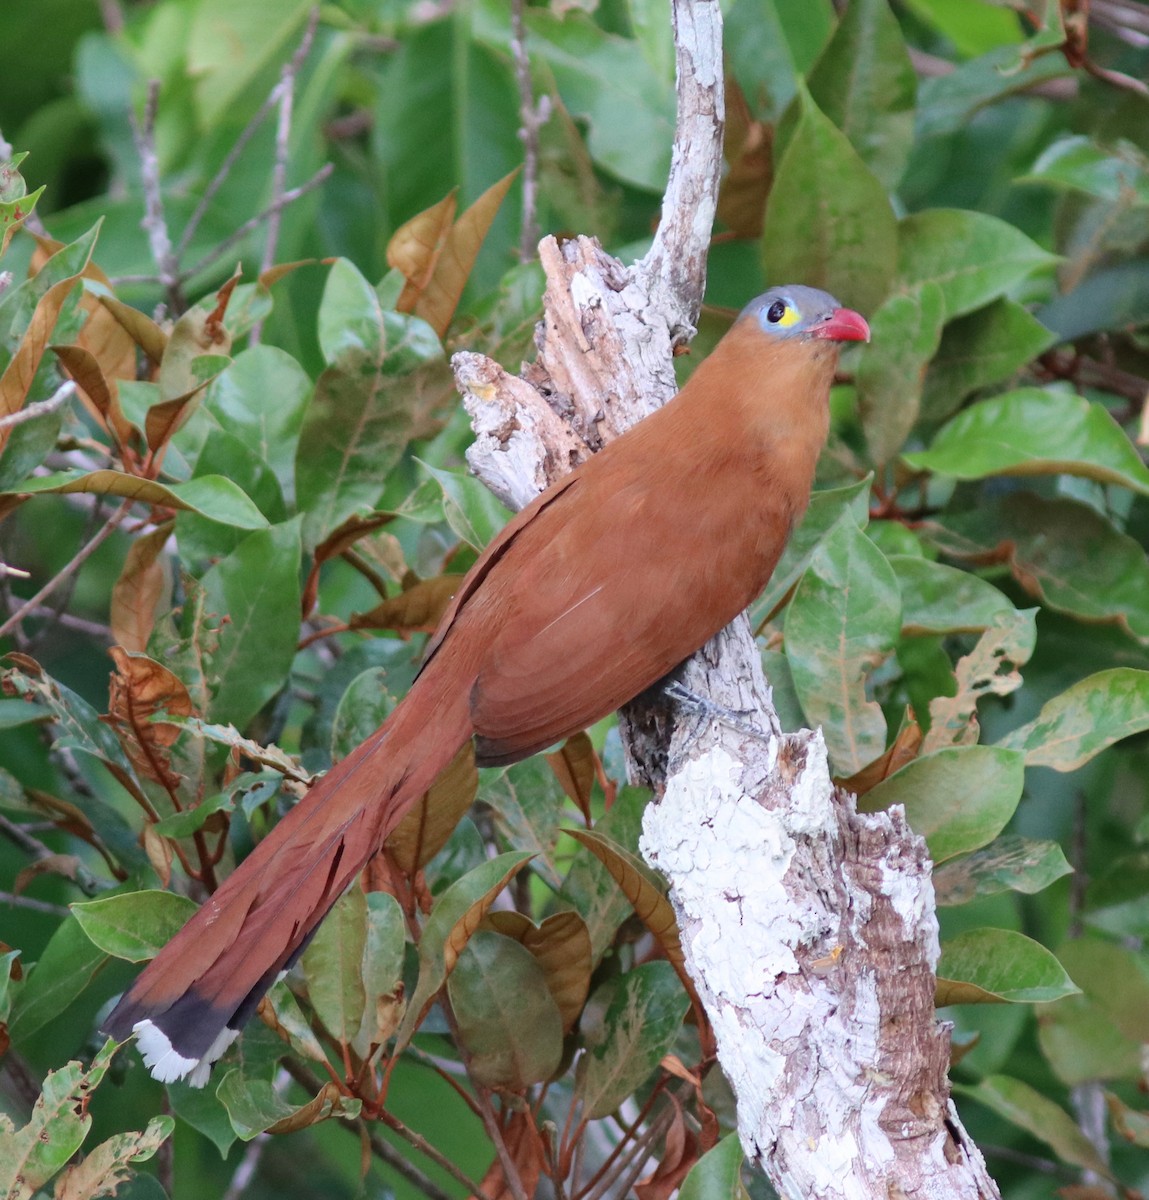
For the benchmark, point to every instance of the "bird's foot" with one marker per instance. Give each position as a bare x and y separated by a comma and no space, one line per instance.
703,707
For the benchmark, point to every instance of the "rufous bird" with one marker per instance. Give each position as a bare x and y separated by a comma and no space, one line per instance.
592,594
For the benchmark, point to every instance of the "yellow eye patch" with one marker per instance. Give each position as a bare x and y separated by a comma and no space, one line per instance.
790,317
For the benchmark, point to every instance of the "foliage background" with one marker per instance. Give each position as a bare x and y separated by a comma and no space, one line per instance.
973,175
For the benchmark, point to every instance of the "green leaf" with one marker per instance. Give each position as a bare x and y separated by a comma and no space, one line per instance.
948,102
983,348
997,965
258,587
941,599
843,621
210,496
452,922
527,800
508,1020
827,508
59,1122
974,26
1035,432
135,925
1009,863
382,962
1078,163
889,379
62,972
260,399
605,80
333,967
958,799
865,83
1028,1109
1083,720
643,1018
1061,551
1118,902
973,257
828,220
471,510
363,707
362,413
105,1167
254,1106
28,444
717,1175
1114,297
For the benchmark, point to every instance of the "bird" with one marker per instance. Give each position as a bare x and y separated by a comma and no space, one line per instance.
592,594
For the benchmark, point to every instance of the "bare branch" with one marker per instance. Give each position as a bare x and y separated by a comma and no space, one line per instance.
532,116
41,408
217,252
154,223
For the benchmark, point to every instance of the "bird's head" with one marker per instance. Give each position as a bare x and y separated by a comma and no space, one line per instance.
803,313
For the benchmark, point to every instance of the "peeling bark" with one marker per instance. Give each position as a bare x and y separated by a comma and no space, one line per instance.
810,931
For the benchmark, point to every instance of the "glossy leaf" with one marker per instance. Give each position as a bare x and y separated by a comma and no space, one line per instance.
941,599
458,912
974,26
865,83
984,966
136,925
973,257
211,495
906,332
986,347
471,510
1077,162
1009,863
508,1020
526,800
257,586
1039,1116
1082,721
333,967
843,621
643,1019
254,1106
1035,432
1062,552
29,443
958,799
67,965
828,219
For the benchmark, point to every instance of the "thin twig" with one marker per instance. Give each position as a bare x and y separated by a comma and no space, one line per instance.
77,560
92,629
37,851
238,235
532,116
154,222
41,906
112,15
41,408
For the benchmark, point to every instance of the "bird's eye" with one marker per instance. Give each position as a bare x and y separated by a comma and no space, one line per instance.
776,311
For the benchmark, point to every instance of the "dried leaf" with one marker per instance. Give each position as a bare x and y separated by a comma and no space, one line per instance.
99,394
679,1154
561,945
524,1145
143,331
440,297
140,689
905,748
424,831
329,1102
418,608
415,247
139,589
104,1169
160,853
64,865
575,765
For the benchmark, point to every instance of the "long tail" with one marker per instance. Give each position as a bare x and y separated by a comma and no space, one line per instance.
191,1001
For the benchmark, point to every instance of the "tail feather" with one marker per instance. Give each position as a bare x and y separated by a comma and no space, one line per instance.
190,1002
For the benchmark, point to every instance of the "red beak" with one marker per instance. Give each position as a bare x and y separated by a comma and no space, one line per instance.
843,325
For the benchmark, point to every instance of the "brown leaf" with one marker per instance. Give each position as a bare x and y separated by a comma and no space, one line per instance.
64,865
424,831
575,765
749,153
415,247
650,906
99,394
679,1154
562,947
141,688
339,540
904,749
524,1145
139,589
418,608
143,331
439,298
328,1103
21,369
